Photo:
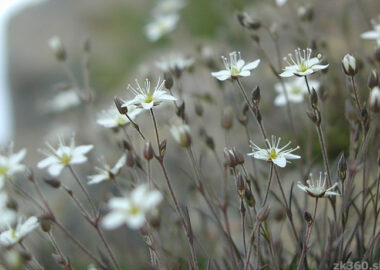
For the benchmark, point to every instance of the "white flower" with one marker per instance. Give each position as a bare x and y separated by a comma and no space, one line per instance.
318,188
15,235
235,68
175,63
349,65
273,153
7,216
303,64
111,118
161,26
296,90
281,2
10,164
168,7
107,173
145,99
373,34
132,210
181,134
57,47
63,101
374,99
59,158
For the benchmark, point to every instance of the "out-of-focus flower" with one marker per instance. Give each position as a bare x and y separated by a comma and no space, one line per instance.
374,99
107,172
373,34
274,153
235,67
13,236
10,164
175,63
349,65
133,209
281,2
168,7
59,158
295,89
317,188
161,26
181,134
112,118
57,47
147,100
303,64
7,216
63,101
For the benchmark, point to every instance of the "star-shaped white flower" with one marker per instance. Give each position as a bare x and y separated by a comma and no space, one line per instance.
235,67
296,90
133,209
112,118
317,188
274,153
175,63
13,236
373,34
64,155
146,99
107,172
11,164
302,64
161,26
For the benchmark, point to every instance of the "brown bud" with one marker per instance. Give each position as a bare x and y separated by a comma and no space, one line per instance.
240,185
263,213
229,157
308,218
256,96
227,118
342,167
130,159
373,79
243,119
148,151
168,80
54,183
45,223
181,111
163,147
239,157
127,145
249,198
314,99
210,142
119,105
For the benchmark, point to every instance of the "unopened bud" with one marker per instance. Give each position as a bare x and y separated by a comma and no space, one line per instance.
229,157
54,183
256,96
181,134
342,167
349,65
240,185
163,148
248,22
168,80
308,218
249,198
154,219
243,119
239,157
374,99
148,151
45,223
305,13
263,213
127,145
181,111
227,118
120,105
130,159
314,99
373,79
57,47
198,109
210,142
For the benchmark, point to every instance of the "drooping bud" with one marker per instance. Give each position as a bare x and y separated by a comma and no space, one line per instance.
342,167
148,151
229,157
374,99
373,79
227,118
168,80
349,65
57,47
256,96
263,213
119,105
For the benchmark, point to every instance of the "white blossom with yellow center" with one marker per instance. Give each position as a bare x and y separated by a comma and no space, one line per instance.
317,188
10,164
107,172
13,236
112,118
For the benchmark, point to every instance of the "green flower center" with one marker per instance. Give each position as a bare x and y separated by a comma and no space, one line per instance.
134,210
303,67
148,98
65,159
296,90
120,120
273,154
3,170
234,71
13,234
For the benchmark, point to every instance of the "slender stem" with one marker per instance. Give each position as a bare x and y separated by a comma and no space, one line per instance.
242,212
106,244
269,183
356,95
258,248
156,131
248,257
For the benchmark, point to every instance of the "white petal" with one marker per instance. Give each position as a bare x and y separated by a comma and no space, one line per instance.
78,159
240,64
280,161
139,193
95,179
113,220
136,221
55,169
252,65
280,100
222,75
16,158
47,162
152,200
83,149
370,35
287,73
245,73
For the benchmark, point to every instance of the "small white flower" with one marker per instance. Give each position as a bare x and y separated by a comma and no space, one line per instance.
317,188
59,158
133,209
175,63
10,164
57,47
7,216
273,153
161,26
281,2
235,67
296,90
303,64
111,118
349,65
374,99
181,134
373,34
63,101
107,173
168,7
145,99
15,235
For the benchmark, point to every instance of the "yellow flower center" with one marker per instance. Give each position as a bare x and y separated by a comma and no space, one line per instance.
148,98
65,159
303,67
3,170
273,154
120,120
296,90
234,71
13,234
134,210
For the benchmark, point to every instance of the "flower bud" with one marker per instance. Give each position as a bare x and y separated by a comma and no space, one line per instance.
119,105
148,151
373,79
163,147
243,119
45,223
374,99
314,99
227,118
263,213
181,134
168,80
342,167
248,22
54,183
57,47
305,13
130,159
180,112
349,65
229,157
249,198
240,185
256,96
210,142
308,218
239,157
